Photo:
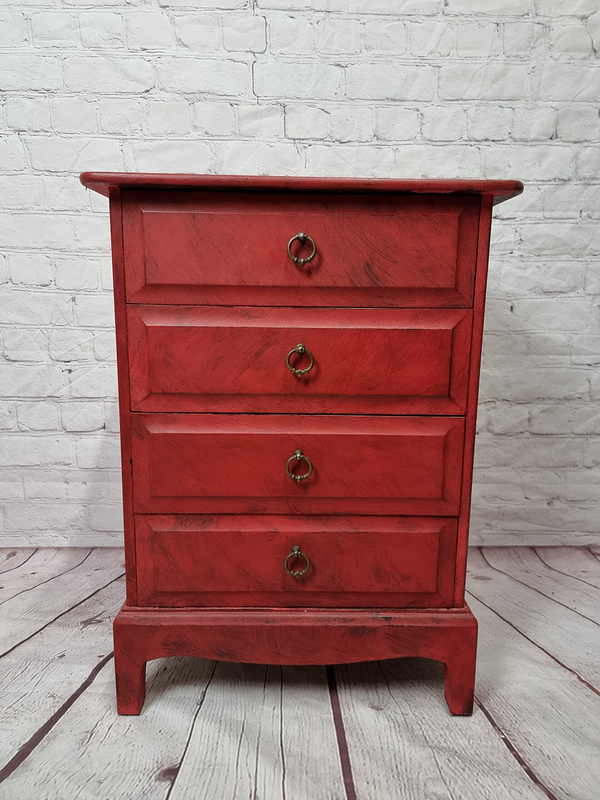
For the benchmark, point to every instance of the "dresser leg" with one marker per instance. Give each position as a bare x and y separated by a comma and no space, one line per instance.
459,680
130,673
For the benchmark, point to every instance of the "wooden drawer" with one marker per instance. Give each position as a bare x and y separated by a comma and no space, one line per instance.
239,561
198,358
220,463
231,249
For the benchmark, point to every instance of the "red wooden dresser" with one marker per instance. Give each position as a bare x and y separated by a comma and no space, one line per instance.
298,370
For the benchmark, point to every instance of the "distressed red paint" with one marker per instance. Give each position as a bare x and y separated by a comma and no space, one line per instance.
208,304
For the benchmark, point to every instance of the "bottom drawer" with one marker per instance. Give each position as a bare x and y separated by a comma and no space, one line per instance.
360,562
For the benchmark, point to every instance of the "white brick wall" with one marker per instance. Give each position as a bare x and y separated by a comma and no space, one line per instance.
415,88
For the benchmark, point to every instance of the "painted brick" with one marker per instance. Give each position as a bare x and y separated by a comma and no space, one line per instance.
489,123
561,80
350,124
306,122
338,36
147,31
227,78
107,74
298,80
198,32
395,7
123,116
101,30
30,269
168,117
260,121
28,113
169,156
430,38
389,82
524,39
54,29
29,72
13,29
74,115
213,119
578,123
385,36
245,34
397,124
490,81
481,39
80,417
37,416
291,35
443,123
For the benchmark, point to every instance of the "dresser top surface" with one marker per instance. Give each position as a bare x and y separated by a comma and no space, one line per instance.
103,182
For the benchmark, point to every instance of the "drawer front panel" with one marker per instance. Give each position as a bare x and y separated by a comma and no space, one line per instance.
237,463
239,561
231,249
191,358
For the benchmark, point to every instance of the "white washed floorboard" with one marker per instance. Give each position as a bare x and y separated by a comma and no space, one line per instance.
12,558
94,754
546,712
523,563
25,613
571,638
578,562
263,733
267,733
403,742
40,674
45,565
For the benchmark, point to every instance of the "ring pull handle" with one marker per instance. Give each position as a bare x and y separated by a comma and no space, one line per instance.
300,349
298,456
296,554
302,238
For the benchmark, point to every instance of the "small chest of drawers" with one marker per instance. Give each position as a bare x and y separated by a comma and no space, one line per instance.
298,371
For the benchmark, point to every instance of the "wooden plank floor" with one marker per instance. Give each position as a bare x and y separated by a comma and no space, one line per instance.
376,731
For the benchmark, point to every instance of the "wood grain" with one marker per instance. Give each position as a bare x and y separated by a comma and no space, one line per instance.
44,565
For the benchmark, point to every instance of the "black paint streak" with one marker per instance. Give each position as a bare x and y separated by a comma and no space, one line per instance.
340,733
27,749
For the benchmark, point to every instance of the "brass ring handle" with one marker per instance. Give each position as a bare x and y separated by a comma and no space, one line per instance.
299,456
300,348
302,237
296,553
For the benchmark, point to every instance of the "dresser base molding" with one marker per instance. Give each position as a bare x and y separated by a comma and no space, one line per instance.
295,636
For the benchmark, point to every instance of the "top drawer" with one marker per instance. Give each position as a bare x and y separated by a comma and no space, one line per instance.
231,248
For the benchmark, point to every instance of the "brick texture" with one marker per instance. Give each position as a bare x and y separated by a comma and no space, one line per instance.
383,88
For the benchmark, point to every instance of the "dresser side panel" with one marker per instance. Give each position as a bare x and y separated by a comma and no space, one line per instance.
483,246
116,234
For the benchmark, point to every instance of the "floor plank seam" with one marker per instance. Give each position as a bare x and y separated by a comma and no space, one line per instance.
190,732
4,571
533,588
566,574
597,557
58,616
514,752
539,646
281,743
340,734
29,746
41,583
